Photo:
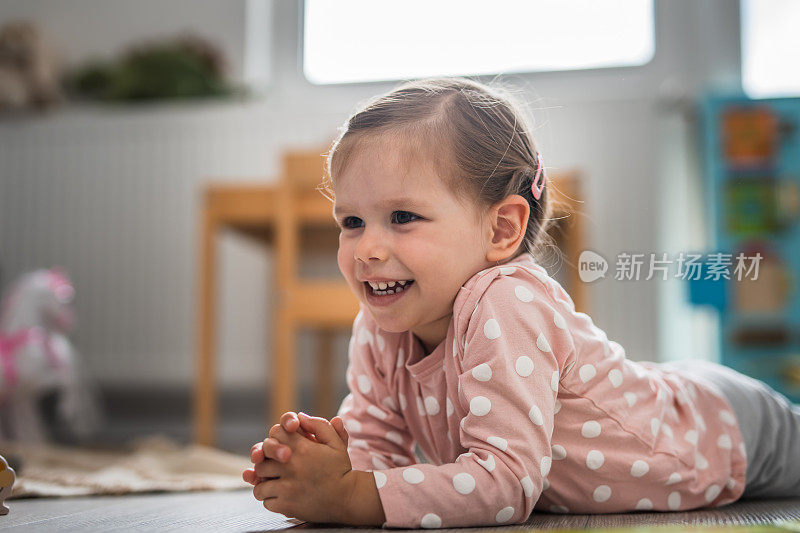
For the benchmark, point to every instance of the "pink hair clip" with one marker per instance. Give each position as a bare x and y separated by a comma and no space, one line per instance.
536,187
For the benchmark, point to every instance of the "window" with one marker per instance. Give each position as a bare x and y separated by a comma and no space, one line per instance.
347,41
770,48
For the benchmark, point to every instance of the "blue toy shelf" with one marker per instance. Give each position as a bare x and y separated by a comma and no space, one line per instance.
752,170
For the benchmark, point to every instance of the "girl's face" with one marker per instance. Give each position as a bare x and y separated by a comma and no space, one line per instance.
402,227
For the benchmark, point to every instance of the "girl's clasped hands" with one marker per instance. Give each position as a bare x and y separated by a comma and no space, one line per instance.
302,469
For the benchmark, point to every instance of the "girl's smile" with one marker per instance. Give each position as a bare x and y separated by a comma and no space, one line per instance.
388,296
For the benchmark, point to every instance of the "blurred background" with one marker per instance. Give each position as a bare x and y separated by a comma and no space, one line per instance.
117,119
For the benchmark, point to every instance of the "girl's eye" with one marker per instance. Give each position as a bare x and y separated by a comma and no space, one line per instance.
403,217
352,222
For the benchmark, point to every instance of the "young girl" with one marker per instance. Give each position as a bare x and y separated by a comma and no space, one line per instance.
466,347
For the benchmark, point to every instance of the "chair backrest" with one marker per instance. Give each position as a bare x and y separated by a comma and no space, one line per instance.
303,170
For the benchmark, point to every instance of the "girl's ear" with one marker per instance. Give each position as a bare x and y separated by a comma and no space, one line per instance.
509,220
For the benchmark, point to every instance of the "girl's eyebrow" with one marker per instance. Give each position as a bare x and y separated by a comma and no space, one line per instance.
405,202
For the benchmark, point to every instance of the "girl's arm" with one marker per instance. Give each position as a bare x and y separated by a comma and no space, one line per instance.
378,435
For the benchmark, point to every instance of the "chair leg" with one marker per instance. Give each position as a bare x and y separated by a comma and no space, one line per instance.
205,385
282,381
325,379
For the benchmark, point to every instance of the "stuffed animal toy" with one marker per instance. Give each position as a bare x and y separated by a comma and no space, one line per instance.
36,358
28,71
7,478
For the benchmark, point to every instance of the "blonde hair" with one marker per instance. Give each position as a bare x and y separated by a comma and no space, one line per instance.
477,136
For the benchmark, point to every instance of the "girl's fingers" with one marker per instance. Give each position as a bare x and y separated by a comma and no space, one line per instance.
266,489
290,422
338,425
321,428
267,469
249,476
306,434
256,454
272,449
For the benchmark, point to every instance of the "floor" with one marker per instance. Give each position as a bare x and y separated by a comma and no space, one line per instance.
237,511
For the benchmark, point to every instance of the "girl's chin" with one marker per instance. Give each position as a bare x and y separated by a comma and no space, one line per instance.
388,325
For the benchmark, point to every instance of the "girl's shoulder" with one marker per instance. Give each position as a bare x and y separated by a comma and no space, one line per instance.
523,277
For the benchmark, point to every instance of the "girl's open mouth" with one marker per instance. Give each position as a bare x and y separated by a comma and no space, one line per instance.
386,293
389,287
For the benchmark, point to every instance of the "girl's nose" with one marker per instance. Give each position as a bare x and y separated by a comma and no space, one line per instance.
371,246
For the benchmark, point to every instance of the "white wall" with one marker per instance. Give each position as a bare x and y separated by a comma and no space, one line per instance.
74,186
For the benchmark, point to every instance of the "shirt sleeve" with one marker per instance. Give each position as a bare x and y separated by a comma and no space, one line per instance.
378,435
508,379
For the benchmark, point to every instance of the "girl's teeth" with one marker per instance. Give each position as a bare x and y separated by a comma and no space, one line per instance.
383,285
391,287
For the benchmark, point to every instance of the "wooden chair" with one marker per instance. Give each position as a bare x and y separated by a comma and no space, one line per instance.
291,216
324,306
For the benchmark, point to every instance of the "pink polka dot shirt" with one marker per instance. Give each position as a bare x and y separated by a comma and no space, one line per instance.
527,405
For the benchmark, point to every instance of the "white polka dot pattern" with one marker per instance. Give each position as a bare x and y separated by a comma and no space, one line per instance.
464,483
413,475
498,442
712,492
630,398
535,414
395,437
523,293
674,478
352,426
644,505
542,344
504,515
527,486
377,412
639,468
488,463
595,459
364,384
591,429
480,406
545,466
492,329
558,452
602,493
431,406
674,501
727,417
587,372
482,372
431,521
524,366
616,422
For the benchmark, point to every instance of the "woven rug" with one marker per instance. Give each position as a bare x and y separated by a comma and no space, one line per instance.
153,464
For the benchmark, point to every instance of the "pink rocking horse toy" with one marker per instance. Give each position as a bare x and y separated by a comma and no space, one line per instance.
36,357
